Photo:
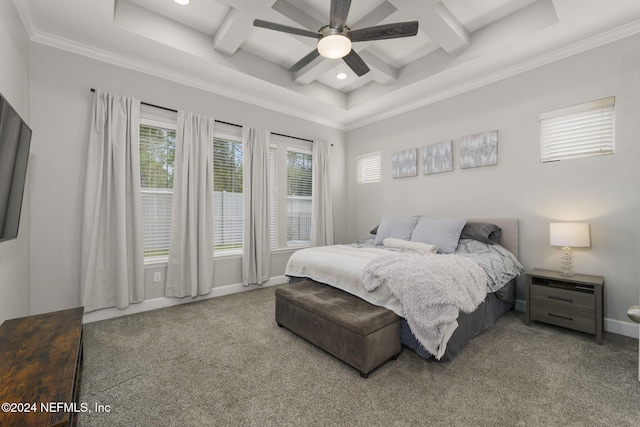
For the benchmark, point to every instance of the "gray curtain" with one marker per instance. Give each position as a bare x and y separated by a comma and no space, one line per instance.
112,261
321,196
256,251
190,267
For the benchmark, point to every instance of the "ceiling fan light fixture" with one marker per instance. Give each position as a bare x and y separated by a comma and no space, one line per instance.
182,2
334,46
334,40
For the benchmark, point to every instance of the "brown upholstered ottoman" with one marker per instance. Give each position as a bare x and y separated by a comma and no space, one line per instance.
358,333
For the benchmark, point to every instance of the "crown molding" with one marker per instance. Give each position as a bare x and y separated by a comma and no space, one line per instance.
88,51
522,67
347,122
26,15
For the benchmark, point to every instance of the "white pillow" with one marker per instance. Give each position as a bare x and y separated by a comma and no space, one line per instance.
420,247
442,232
397,226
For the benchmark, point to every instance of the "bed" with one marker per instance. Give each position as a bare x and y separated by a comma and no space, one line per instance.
486,241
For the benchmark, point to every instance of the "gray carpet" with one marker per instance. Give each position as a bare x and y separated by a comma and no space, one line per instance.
224,361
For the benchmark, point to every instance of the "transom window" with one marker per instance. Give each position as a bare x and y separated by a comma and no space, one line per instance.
368,168
578,131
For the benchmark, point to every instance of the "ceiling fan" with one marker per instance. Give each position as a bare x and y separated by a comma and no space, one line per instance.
334,40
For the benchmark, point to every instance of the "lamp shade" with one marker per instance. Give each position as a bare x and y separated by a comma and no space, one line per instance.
569,234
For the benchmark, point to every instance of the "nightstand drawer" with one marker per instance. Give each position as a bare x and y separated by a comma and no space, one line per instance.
569,301
563,297
562,315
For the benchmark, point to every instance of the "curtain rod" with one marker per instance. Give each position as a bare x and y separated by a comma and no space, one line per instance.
219,121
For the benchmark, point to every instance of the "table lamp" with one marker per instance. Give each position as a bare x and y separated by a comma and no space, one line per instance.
569,235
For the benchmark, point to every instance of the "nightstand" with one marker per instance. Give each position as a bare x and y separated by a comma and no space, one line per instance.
573,302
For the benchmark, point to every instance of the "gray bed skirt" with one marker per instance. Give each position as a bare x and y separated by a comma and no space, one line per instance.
469,324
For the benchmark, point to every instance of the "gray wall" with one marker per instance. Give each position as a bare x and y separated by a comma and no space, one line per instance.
600,190
14,85
61,99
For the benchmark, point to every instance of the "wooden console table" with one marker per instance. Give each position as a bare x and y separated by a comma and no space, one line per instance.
40,369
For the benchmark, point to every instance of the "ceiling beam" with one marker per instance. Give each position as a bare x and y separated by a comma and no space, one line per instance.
377,15
444,29
314,70
381,71
232,32
238,24
438,23
296,14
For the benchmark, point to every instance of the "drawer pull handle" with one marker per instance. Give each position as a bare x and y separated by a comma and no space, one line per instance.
561,299
584,288
561,317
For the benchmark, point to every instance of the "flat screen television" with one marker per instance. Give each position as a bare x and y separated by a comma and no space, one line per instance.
15,138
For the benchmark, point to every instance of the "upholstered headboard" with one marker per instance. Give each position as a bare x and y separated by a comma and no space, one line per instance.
509,227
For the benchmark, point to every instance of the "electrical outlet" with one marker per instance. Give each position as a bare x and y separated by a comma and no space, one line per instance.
157,276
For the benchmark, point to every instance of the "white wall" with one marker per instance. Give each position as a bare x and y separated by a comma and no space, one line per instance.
61,99
14,85
600,190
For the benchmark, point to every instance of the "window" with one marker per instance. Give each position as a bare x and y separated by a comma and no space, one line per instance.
368,168
290,176
299,175
273,195
157,152
227,195
579,131
289,193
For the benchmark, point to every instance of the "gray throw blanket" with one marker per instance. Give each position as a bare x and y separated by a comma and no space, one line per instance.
432,289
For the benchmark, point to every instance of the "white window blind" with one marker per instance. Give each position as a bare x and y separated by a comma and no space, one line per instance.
368,167
227,195
578,131
299,176
157,152
273,195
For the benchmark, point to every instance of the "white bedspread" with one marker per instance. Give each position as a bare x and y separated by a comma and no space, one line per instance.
341,266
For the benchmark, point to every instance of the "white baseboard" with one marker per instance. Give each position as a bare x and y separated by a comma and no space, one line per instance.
628,329
163,302
610,325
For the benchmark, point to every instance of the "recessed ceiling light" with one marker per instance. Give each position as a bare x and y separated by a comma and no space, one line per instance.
182,2
341,76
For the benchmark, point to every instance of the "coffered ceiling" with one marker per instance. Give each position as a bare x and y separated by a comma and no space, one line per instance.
213,45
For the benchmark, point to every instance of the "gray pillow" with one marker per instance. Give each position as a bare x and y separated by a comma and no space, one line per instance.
481,231
396,226
442,232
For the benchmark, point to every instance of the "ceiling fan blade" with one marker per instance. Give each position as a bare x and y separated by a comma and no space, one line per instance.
304,61
356,63
385,31
284,28
339,13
